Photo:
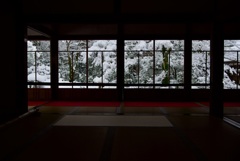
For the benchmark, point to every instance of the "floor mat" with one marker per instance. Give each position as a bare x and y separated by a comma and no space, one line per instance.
116,121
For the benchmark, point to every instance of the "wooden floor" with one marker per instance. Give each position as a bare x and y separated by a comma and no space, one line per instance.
194,136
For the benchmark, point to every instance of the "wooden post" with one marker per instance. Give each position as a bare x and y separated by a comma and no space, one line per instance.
54,67
216,62
188,62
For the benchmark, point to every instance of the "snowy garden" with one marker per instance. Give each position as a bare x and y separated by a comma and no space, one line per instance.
147,63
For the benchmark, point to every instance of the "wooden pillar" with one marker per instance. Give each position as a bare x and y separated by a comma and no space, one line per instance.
120,64
21,65
216,81
54,67
188,61
120,51
120,57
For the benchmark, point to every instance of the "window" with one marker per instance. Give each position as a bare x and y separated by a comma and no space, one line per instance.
87,64
38,64
200,64
154,64
231,64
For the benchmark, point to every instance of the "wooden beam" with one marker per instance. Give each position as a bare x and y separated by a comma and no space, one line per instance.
44,31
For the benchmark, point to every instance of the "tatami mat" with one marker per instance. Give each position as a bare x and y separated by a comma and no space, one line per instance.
134,121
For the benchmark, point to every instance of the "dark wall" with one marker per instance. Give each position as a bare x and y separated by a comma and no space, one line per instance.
13,73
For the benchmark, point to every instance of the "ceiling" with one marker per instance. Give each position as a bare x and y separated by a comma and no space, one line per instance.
130,17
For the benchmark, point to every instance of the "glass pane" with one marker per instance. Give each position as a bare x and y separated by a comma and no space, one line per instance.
138,64
102,45
169,62
102,61
110,67
31,61
159,72
38,62
72,45
95,67
146,67
154,62
72,61
64,67
131,71
231,64
201,63
43,66
92,61
80,67
176,67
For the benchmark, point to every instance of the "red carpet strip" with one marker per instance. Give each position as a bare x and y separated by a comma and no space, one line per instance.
128,104
36,103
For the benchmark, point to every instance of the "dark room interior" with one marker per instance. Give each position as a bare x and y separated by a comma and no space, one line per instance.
76,85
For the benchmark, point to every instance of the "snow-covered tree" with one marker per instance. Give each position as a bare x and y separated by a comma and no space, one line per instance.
227,82
143,63
72,61
41,45
201,62
139,61
38,62
102,64
231,61
95,58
